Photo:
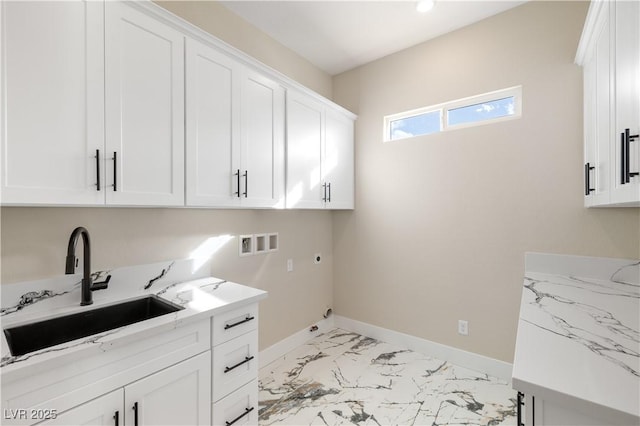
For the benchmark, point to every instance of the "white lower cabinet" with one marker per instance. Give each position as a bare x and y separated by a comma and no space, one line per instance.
535,411
235,367
178,395
238,408
103,411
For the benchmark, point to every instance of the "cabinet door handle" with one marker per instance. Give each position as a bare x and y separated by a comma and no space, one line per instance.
116,417
135,414
246,359
98,169
587,179
115,171
246,183
629,138
324,192
247,319
520,404
329,198
237,175
246,411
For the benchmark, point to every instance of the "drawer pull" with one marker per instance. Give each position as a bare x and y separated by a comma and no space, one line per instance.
246,359
246,411
247,319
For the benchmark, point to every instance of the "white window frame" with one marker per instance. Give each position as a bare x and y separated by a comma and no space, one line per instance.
444,108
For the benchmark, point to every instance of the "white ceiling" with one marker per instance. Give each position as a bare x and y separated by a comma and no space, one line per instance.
337,36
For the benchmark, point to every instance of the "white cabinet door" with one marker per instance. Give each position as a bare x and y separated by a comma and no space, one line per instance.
262,141
52,102
597,110
178,395
213,127
106,410
305,133
626,180
144,92
235,139
338,161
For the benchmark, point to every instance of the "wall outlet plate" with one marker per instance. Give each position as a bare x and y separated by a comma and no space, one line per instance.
463,327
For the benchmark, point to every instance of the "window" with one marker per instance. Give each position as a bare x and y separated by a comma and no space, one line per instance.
490,107
416,125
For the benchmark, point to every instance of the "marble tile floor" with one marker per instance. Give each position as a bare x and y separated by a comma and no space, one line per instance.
343,378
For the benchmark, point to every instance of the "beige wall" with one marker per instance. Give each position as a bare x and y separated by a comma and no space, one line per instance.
34,242
231,28
442,221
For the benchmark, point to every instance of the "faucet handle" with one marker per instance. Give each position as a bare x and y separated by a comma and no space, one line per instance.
101,285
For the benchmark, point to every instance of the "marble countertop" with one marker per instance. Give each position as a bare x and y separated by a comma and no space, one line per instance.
578,338
175,281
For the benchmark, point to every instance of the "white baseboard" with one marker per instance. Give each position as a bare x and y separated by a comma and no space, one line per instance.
470,360
286,345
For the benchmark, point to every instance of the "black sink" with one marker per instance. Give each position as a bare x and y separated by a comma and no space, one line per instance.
43,334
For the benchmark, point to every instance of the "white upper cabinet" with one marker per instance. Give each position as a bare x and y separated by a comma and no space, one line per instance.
626,178
262,141
213,126
320,155
144,91
235,133
338,161
121,103
52,102
609,52
305,133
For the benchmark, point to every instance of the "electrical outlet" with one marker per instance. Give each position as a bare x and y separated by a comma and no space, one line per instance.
289,265
463,327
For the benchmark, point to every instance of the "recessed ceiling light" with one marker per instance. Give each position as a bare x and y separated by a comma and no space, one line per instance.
424,5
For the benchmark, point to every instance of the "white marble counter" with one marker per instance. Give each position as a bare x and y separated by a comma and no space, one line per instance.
578,335
181,282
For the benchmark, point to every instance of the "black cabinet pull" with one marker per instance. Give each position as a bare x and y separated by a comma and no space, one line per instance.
237,175
246,183
115,171
519,408
98,169
116,417
623,162
247,319
135,414
246,411
329,198
324,192
630,138
587,179
246,359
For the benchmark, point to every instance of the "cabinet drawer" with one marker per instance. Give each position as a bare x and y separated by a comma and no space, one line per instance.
235,363
232,324
237,408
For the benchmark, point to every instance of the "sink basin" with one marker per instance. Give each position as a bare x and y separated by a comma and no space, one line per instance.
43,334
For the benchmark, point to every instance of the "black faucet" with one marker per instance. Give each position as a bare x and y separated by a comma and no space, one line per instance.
87,282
